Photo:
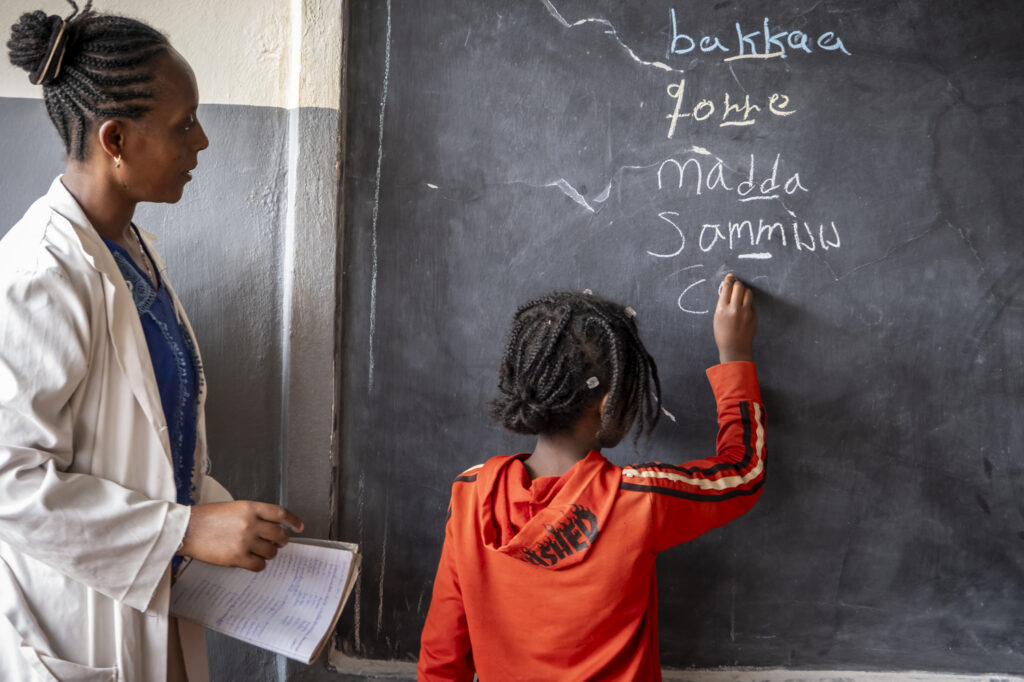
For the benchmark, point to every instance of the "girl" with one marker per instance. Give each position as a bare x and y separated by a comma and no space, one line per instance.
547,570
102,437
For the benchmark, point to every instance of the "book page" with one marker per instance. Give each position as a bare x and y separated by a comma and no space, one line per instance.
288,608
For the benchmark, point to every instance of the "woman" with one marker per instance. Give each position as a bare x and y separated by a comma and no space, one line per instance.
102,439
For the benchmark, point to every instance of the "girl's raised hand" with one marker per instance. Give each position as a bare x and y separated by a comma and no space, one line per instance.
735,321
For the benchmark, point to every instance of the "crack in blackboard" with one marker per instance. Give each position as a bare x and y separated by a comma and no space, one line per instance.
612,32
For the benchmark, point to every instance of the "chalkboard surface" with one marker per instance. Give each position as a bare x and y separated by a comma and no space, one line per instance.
859,163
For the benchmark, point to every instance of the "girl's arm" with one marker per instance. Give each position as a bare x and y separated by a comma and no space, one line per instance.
691,499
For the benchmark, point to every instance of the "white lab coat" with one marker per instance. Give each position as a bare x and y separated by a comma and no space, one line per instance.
88,518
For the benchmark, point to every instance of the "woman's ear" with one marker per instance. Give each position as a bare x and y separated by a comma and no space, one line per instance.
111,140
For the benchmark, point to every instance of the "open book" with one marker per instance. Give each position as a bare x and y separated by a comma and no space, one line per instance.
290,607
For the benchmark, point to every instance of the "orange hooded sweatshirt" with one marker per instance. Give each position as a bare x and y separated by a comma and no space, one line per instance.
553,579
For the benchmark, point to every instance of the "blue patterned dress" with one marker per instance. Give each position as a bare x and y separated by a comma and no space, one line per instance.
175,365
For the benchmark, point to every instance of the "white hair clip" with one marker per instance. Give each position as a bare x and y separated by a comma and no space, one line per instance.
592,382
630,312
588,292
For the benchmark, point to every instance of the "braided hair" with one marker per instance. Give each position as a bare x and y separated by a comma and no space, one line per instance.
557,347
91,66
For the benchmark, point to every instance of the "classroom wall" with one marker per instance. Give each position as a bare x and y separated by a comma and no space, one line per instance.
252,246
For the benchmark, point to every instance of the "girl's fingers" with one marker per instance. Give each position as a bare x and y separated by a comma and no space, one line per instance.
748,298
725,291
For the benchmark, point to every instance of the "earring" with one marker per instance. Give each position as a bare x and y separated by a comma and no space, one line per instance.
117,161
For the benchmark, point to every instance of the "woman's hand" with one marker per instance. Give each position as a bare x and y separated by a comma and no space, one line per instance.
241,534
735,321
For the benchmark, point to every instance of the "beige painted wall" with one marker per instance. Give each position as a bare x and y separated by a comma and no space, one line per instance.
279,53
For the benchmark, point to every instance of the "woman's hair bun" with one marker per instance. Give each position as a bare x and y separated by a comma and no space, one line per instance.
31,40
38,42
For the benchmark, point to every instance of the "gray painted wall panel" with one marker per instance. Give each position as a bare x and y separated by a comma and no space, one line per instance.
223,247
31,155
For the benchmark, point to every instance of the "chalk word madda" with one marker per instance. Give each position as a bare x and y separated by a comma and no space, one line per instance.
690,175
764,43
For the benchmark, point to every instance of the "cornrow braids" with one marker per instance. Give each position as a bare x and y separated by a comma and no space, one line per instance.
91,66
559,342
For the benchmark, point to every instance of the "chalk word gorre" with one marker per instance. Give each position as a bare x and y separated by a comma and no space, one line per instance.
732,114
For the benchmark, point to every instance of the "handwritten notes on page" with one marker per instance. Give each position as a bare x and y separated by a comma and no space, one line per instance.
290,608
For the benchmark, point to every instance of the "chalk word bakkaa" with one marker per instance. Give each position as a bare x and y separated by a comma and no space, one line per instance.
763,43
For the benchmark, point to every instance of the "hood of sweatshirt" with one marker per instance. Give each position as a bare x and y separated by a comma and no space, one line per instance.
550,521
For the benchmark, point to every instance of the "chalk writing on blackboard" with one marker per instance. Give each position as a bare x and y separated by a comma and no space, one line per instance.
762,43
690,175
739,235
732,113
695,175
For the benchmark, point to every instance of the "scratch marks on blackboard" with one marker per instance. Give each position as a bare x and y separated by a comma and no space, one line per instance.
988,468
611,32
357,606
570,191
577,196
376,193
574,194
889,253
970,245
419,600
804,13
383,565
732,608
1000,298
983,503
736,78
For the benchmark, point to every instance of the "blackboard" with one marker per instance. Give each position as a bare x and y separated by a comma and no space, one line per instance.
867,182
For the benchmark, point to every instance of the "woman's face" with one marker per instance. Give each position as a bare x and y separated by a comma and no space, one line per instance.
161,148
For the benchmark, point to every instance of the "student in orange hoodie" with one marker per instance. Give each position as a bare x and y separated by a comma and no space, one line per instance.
547,570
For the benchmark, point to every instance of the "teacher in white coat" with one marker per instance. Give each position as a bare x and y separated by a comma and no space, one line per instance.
103,458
